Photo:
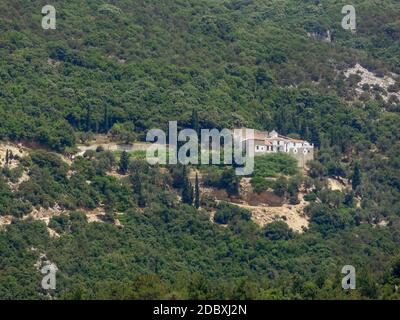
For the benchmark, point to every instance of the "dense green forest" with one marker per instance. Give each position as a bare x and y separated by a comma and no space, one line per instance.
147,62
136,65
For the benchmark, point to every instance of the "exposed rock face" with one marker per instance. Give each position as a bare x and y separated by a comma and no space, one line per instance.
339,184
245,187
370,79
45,215
326,37
5,220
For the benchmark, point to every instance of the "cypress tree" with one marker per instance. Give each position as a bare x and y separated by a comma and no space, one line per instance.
137,184
191,190
137,189
88,119
187,189
197,193
196,127
315,137
141,200
187,193
230,182
123,163
356,179
141,197
106,124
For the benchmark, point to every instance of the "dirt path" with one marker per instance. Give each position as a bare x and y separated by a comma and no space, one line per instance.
111,146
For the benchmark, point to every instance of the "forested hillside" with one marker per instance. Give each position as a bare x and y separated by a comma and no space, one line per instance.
150,61
136,65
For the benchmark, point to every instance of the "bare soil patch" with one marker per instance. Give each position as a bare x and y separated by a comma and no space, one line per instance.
17,150
293,215
5,220
339,184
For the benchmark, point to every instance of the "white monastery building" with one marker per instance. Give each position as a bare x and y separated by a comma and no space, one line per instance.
272,142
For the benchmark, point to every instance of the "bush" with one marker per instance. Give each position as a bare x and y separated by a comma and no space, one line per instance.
293,200
310,197
270,165
278,230
227,213
327,220
260,184
280,186
222,179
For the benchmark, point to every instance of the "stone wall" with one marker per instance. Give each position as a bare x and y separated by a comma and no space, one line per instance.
302,155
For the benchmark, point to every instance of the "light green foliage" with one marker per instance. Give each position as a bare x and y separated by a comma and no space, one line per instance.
270,165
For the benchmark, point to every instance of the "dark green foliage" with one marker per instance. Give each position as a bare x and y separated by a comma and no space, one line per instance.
227,213
187,188
310,197
327,219
88,118
230,182
334,199
222,178
119,67
278,230
178,253
270,165
122,132
280,186
123,163
138,190
61,224
294,200
178,174
395,269
106,120
356,178
260,184
197,192
9,203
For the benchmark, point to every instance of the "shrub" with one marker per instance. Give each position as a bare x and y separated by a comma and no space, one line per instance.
310,197
278,230
270,165
260,184
227,213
